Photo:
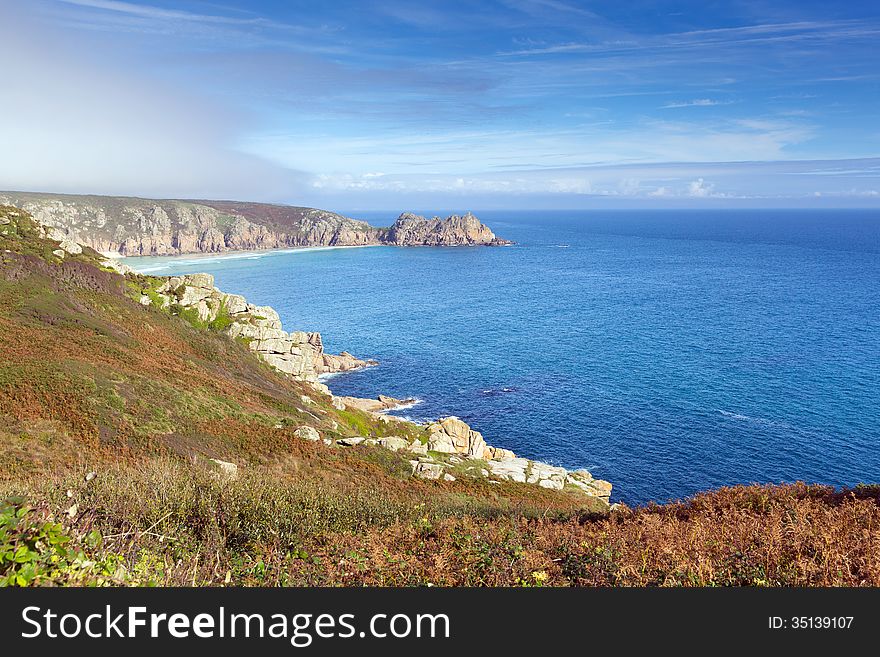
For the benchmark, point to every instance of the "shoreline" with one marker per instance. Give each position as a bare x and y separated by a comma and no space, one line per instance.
441,446
252,254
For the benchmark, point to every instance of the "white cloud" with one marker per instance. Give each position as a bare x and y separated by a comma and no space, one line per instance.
700,189
668,183
699,102
80,124
151,12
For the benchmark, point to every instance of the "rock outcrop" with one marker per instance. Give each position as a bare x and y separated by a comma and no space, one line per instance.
135,227
453,436
299,354
450,441
379,405
451,444
465,230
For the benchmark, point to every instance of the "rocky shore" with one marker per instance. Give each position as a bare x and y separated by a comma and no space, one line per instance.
444,449
299,354
452,448
133,226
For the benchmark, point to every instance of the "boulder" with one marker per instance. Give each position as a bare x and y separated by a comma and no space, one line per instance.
497,453
451,435
227,469
418,447
192,295
307,433
344,362
264,316
602,488
117,266
350,442
427,470
205,310
441,442
235,304
293,365
545,475
255,332
583,480
271,345
394,443
199,280
509,469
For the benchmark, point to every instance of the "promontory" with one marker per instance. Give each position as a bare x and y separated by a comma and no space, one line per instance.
128,226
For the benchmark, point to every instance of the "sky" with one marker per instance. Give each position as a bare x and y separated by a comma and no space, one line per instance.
396,104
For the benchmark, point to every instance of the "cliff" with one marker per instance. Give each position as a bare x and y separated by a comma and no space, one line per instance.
301,355
437,449
466,230
135,226
143,444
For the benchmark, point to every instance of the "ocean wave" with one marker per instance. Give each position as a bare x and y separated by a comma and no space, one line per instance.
406,406
190,260
494,392
414,419
755,420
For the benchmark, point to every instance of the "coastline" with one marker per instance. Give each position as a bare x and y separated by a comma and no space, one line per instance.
247,254
443,444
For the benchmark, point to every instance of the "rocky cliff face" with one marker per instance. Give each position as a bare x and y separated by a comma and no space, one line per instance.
466,230
299,354
133,226
443,450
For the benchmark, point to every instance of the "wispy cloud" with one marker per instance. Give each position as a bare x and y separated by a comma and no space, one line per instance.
718,182
698,102
238,28
158,13
730,36
440,97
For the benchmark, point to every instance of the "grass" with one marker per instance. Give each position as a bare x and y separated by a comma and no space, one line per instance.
91,381
171,523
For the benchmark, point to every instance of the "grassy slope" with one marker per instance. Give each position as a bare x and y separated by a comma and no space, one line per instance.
90,380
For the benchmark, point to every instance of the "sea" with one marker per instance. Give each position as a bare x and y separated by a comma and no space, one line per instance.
668,352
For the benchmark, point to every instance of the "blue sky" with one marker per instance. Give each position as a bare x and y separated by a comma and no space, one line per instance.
391,104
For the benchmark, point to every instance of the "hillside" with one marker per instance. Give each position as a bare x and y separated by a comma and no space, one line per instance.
137,226
148,438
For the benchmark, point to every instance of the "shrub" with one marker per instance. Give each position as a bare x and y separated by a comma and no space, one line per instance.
36,551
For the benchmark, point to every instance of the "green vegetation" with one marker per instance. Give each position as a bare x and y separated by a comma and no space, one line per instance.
37,551
222,321
140,447
169,523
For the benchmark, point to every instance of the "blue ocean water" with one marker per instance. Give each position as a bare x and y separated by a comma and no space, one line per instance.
666,351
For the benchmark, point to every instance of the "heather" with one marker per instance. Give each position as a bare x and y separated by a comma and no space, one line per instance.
141,447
